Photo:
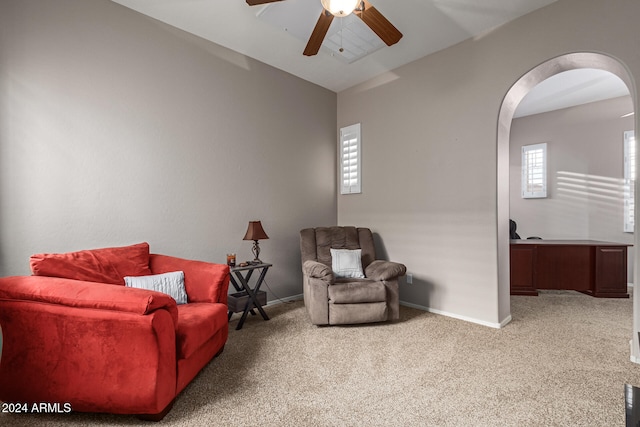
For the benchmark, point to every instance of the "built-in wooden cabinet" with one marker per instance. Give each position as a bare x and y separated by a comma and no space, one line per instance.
523,260
611,271
592,267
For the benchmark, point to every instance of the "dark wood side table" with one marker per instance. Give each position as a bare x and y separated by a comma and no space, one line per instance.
247,298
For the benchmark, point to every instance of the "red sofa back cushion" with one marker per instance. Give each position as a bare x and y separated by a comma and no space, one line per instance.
106,265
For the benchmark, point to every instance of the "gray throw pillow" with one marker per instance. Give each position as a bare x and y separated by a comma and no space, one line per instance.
347,263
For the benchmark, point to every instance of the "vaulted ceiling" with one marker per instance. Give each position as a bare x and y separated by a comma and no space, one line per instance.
276,34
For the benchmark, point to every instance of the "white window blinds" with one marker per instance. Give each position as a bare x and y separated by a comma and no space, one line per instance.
534,171
350,160
629,180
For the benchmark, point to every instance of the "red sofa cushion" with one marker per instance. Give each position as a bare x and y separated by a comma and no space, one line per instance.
106,265
198,323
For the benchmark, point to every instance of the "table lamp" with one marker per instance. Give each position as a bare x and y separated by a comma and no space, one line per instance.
255,232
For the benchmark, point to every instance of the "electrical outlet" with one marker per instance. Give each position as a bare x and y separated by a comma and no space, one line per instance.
409,278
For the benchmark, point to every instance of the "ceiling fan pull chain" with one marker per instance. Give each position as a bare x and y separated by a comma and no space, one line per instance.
341,32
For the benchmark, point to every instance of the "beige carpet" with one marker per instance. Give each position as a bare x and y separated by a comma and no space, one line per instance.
562,361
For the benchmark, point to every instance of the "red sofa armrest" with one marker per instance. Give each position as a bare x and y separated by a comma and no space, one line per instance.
203,281
95,360
81,294
98,347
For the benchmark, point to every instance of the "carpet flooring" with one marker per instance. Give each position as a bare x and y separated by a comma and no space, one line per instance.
562,361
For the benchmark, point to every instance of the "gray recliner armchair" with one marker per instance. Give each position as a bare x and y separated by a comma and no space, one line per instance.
347,296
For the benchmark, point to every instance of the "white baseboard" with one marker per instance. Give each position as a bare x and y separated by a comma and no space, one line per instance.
285,299
457,316
419,307
633,358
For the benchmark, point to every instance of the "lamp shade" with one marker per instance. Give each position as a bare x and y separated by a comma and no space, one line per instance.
340,8
255,231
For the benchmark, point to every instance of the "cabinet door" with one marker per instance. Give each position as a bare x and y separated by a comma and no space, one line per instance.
567,267
611,272
522,270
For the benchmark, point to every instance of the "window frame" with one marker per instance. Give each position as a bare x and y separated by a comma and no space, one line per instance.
529,170
630,151
350,135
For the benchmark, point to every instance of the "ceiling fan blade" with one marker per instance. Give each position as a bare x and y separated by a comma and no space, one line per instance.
317,36
257,2
378,23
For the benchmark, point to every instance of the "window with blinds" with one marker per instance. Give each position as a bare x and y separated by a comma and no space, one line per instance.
629,180
534,171
350,160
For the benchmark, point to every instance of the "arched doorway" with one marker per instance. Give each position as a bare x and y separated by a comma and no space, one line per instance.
510,102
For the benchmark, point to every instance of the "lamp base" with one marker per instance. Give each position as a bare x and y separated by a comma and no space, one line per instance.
256,253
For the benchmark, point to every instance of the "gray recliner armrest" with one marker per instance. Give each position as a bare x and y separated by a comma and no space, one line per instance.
384,270
317,270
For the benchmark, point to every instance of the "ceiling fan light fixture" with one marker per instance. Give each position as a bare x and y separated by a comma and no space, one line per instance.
340,8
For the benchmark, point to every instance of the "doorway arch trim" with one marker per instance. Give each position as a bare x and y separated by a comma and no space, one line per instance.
510,102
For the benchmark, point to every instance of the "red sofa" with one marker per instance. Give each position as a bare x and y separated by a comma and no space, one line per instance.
85,340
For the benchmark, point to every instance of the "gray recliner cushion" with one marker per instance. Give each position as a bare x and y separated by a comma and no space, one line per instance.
359,291
316,243
351,314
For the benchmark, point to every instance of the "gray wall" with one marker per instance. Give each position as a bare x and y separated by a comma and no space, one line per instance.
586,140
429,142
116,129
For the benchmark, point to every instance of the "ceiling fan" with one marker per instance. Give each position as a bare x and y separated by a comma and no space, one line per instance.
341,8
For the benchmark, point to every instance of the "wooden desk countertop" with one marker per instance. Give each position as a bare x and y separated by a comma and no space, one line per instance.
566,242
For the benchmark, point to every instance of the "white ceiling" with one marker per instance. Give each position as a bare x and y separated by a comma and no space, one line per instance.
276,34
571,88
427,25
